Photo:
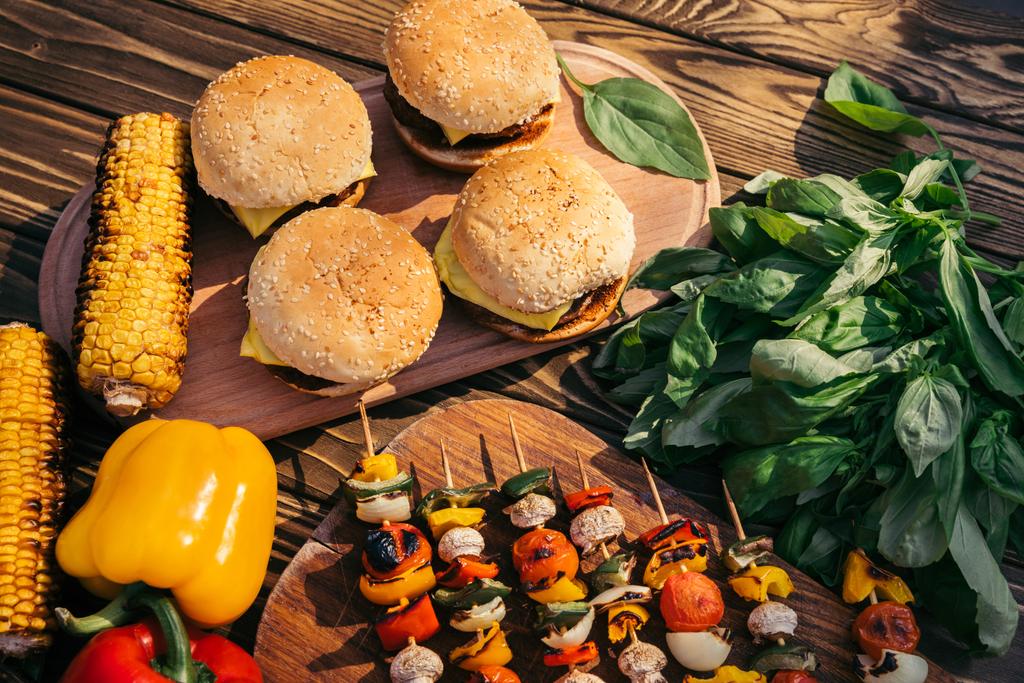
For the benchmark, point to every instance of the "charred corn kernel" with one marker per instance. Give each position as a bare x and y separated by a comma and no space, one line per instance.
135,286
31,486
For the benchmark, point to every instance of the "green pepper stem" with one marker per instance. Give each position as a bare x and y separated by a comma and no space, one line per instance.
178,664
118,612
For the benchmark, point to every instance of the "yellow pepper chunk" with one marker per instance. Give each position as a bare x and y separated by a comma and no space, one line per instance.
180,505
758,582
376,468
488,649
861,576
691,556
729,674
562,590
411,584
623,617
442,520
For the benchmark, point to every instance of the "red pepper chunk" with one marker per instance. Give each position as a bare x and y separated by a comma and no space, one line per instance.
464,569
568,656
494,674
675,532
394,549
793,677
406,620
588,498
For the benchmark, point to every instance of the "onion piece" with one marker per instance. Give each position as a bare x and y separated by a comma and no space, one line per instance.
571,637
621,595
700,651
391,507
478,617
893,667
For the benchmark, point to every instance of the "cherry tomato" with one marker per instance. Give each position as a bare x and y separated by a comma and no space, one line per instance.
394,549
886,626
541,555
494,674
691,602
793,677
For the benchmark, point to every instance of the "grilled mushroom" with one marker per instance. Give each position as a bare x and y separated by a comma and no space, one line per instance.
416,664
595,526
642,663
770,621
531,511
577,676
459,541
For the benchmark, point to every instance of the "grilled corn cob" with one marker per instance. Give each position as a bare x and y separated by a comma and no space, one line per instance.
31,485
135,287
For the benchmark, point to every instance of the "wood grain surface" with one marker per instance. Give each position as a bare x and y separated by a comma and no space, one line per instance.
756,104
316,625
223,388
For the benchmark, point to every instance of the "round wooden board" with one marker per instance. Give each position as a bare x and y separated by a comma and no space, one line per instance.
315,625
223,388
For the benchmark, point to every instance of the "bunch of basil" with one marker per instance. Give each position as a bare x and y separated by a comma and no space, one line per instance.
844,361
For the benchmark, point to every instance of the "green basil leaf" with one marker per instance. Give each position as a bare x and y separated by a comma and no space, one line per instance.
997,457
871,105
866,214
635,389
1013,321
939,196
796,361
904,162
824,241
928,418
686,429
942,590
692,351
975,325
948,476
861,321
901,359
761,183
925,173
808,197
688,290
644,433
736,230
911,532
672,264
997,612
883,184
776,284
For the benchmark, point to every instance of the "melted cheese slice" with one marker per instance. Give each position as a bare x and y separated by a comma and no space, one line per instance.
254,347
455,277
256,221
456,135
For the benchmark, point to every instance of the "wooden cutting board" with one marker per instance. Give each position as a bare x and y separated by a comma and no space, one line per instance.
315,625
223,388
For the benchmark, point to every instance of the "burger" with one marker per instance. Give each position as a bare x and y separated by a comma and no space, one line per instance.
469,80
279,135
340,299
538,246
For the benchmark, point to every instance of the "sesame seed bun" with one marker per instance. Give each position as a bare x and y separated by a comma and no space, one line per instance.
343,295
476,65
279,131
540,228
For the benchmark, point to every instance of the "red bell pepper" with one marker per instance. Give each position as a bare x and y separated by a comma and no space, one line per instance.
568,656
464,569
160,650
676,531
592,497
406,620
494,674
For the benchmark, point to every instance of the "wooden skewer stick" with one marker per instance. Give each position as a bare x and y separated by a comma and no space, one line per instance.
733,512
632,634
445,465
654,492
515,444
586,484
367,434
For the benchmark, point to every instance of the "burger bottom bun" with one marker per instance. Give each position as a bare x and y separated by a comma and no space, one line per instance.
587,312
350,196
316,385
474,151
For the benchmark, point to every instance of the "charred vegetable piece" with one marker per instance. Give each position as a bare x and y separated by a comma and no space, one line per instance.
464,569
411,584
443,520
886,626
542,556
576,634
892,667
757,583
135,288
691,602
478,617
537,480
675,532
729,674
621,595
861,576
438,499
494,674
594,526
746,552
571,656
560,615
487,649
406,620
393,506
691,556
563,589
784,657
592,497
615,571
478,592
356,490
394,549
375,468
623,618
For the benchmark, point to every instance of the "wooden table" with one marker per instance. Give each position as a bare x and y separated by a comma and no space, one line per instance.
751,71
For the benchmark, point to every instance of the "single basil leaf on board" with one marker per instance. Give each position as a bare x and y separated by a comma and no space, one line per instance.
758,476
643,126
997,613
998,458
861,321
808,197
883,184
871,105
928,418
823,241
796,361
975,325
672,264
926,172
911,533
761,183
687,428
736,230
776,284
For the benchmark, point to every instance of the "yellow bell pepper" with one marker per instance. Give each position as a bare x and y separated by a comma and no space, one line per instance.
180,505
729,674
758,582
562,590
376,468
623,618
444,519
691,556
410,584
487,649
861,576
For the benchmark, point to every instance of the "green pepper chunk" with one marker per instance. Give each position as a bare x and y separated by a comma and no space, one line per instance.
746,552
468,496
784,658
537,480
560,615
361,490
615,571
477,592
